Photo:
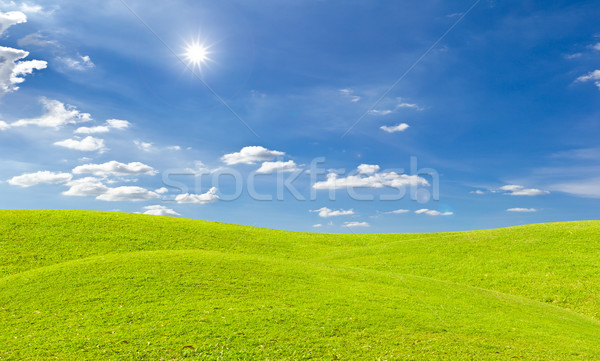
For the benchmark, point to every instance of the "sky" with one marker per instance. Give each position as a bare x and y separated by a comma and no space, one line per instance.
318,116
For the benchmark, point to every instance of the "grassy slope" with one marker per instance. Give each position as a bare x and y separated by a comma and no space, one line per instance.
95,285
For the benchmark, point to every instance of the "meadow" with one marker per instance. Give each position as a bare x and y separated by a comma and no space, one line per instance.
83,285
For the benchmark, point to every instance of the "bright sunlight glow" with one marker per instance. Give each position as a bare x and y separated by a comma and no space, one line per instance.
196,54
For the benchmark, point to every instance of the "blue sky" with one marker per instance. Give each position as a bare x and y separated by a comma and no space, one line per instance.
102,107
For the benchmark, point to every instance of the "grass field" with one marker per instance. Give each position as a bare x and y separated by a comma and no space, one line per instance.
111,286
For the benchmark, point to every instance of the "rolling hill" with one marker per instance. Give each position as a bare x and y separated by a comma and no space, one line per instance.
102,285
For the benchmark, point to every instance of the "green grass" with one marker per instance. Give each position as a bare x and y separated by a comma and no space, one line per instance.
99,285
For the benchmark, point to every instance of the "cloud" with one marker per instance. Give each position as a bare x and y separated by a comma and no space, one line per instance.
78,63
143,146
36,39
127,193
157,210
251,155
521,210
368,168
395,128
477,191
279,166
110,124
595,46
57,115
115,168
12,70
318,225
398,106
208,197
518,190
174,147
161,190
582,187
356,224
83,187
375,180
87,144
591,76
41,177
350,93
326,212
431,212
11,18
397,211
3,125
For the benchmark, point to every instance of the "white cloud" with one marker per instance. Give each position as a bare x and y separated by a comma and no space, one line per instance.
208,197
521,210
83,187
368,168
326,212
431,212
110,124
398,211
478,191
581,187
3,125
127,193
174,147
591,76
87,144
251,155
375,180
11,18
395,128
381,112
12,70
143,146
279,166
518,190
356,224
595,46
56,116
157,210
350,93
31,179
161,190
115,168
36,39
318,225
78,63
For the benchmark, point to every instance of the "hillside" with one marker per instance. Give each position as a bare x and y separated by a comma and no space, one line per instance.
102,285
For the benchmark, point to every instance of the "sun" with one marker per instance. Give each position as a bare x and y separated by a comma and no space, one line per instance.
196,54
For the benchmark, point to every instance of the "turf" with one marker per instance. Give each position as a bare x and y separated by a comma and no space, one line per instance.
102,285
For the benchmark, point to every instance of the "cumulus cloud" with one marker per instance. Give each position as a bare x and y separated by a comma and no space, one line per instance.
110,124
87,144
41,177
279,166
57,115
161,190
127,193
591,76
78,63
525,210
518,190
158,210
84,187
115,168
11,18
368,168
143,146
395,128
208,197
251,155
349,93
431,212
374,180
356,224
326,212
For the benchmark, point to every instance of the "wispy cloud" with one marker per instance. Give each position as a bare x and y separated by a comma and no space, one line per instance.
522,210
325,212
